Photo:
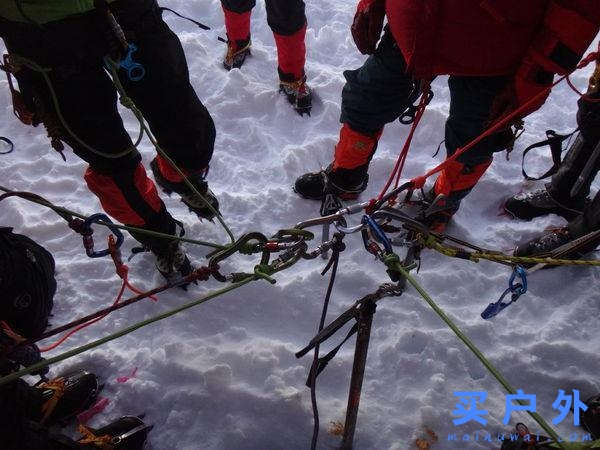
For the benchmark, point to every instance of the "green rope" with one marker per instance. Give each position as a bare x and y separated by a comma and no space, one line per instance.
488,365
84,348
60,210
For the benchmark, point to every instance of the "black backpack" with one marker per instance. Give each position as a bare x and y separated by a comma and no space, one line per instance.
27,284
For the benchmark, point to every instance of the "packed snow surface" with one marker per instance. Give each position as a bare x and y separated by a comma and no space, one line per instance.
223,375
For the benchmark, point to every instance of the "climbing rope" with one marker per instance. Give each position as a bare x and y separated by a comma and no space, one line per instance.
68,215
465,339
84,348
433,243
333,265
293,248
426,97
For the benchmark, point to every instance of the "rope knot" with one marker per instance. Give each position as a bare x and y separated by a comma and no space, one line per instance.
264,271
127,102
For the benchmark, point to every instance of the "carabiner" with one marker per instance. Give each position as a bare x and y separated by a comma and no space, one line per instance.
378,232
519,288
516,290
87,232
135,71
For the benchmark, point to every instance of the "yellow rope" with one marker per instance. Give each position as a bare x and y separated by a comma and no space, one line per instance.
454,252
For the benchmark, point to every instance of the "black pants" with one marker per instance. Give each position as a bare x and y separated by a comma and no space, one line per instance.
284,17
73,49
379,91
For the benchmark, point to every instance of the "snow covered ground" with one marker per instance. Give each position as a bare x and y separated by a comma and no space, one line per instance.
223,375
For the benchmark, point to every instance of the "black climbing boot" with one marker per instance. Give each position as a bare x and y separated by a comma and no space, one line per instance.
527,206
174,263
66,396
560,243
171,260
590,419
126,433
544,244
190,198
341,182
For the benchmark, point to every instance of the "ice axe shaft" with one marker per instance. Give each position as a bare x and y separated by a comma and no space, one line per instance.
586,172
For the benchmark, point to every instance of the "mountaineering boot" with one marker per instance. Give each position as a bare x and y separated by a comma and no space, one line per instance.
173,264
314,185
347,176
566,195
453,184
66,396
126,433
236,53
298,94
545,243
170,181
527,206
437,211
574,246
171,260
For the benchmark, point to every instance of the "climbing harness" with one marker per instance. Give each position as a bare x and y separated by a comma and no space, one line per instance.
515,291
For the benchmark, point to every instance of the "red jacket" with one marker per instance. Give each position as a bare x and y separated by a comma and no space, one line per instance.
492,37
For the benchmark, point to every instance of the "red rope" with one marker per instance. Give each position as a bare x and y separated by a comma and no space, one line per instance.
84,325
122,271
397,172
419,182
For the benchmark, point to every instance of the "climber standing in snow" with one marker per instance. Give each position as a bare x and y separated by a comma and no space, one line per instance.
499,55
287,20
56,53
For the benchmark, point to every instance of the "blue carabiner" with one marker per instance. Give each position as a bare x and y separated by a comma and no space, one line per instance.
519,288
516,290
87,237
379,233
135,71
